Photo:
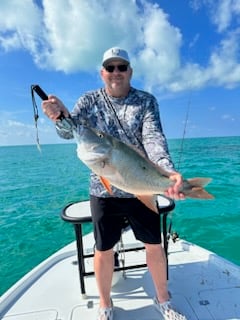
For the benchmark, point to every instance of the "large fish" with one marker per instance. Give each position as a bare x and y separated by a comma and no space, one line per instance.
120,165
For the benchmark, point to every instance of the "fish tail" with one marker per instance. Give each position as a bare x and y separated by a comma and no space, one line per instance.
194,188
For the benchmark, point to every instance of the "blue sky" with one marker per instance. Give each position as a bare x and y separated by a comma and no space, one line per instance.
187,53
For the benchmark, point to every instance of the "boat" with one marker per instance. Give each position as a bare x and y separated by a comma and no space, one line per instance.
202,285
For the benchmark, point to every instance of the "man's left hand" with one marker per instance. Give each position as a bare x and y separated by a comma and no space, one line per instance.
173,191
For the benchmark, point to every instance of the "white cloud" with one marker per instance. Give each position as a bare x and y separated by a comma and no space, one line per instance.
223,68
222,12
228,117
224,65
79,31
161,43
194,41
20,25
71,35
225,13
15,132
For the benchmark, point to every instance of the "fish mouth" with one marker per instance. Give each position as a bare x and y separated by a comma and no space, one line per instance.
93,149
92,158
91,153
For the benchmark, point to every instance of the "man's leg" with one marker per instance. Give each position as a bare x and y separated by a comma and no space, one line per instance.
103,267
156,261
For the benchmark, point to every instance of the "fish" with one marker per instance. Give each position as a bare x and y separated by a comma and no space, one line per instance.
123,166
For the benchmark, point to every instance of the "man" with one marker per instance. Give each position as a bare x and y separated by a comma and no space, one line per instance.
132,116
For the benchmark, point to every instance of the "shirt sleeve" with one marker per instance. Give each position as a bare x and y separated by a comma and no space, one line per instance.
78,115
154,140
64,128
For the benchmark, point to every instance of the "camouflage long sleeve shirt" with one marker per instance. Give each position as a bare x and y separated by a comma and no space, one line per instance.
133,119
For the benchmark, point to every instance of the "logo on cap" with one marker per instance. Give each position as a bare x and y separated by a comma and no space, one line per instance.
116,51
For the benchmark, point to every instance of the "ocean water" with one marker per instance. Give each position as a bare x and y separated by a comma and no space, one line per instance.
35,187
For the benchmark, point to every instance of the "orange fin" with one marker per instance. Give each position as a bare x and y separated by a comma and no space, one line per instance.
149,201
106,184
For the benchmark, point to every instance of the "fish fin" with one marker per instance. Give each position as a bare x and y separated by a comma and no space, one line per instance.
200,193
106,184
199,182
195,188
149,201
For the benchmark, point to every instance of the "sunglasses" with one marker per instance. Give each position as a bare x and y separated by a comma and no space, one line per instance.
120,67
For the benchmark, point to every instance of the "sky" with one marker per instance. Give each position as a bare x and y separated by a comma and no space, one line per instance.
185,52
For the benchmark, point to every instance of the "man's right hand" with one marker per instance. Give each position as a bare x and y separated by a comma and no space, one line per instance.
53,108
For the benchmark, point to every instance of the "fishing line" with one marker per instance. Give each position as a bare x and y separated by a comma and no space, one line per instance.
184,131
36,115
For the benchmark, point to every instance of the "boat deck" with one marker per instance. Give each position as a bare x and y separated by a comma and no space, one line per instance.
203,286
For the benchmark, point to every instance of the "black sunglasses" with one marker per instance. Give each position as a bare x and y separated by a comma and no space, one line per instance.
120,67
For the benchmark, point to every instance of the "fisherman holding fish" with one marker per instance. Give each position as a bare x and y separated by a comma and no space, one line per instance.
132,117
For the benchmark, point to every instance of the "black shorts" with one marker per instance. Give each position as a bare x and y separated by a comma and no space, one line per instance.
110,216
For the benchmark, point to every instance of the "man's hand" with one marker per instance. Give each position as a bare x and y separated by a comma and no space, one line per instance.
54,108
173,192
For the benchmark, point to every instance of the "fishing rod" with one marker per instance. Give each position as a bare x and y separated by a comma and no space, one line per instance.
184,132
175,235
39,91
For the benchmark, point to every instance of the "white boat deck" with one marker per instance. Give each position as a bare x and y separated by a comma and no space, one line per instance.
203,286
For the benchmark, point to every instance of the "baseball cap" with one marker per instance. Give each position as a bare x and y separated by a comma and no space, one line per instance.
114,54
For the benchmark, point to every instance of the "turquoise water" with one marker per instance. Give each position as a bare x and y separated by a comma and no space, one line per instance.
36,187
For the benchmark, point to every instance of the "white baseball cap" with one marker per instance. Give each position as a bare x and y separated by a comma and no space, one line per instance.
115,53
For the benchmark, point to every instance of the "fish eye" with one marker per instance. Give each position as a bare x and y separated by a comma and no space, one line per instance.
100,134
